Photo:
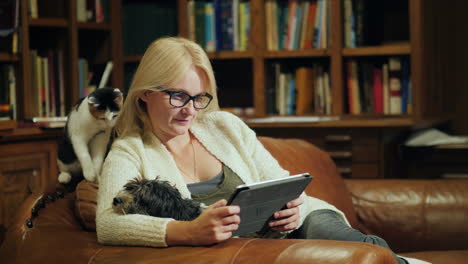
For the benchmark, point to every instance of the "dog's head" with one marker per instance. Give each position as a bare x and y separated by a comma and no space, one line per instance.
125,202
154,198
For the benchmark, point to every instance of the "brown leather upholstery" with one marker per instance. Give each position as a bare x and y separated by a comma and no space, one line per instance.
437,211
432,215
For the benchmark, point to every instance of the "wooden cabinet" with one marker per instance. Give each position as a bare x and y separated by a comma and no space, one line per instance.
359,152
25,168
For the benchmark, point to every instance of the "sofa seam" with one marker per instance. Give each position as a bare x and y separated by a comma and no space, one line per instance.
240,249
91,260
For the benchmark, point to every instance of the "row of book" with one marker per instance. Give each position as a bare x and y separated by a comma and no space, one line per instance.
370,23
92,10
86,10
7,92
297,24
92,76
145,21
300,91
9,22
47,83
383,88
219,24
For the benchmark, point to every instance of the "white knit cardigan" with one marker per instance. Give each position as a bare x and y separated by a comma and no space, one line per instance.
224,135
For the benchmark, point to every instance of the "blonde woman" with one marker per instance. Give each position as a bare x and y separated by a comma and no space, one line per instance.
170,127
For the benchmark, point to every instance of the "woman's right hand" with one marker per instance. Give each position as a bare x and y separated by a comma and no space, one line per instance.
215,224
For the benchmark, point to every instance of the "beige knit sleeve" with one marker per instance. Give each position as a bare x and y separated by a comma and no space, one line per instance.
121,165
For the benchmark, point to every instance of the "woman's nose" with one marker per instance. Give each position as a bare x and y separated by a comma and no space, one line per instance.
190,107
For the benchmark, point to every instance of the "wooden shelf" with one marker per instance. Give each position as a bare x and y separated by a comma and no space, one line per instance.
219,55
297,53
94,26
48,22
395,122
30,134
397,49
8,57
7,125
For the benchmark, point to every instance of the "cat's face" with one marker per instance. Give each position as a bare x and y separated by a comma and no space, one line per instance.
105,104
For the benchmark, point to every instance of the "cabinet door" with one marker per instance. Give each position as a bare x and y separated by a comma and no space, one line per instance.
25,168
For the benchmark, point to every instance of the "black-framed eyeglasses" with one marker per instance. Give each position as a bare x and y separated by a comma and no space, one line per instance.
180,99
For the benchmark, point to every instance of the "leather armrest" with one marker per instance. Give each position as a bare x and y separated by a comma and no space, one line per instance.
414,215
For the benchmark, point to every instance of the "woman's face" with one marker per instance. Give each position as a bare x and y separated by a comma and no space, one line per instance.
169,121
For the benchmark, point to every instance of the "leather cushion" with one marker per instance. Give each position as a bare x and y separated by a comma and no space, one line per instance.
85,204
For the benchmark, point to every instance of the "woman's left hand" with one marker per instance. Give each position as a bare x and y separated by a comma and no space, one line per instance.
287,219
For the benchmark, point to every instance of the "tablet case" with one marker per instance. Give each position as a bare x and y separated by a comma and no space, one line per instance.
259,201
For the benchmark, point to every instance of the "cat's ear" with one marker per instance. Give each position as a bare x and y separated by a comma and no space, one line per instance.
118,96
93,101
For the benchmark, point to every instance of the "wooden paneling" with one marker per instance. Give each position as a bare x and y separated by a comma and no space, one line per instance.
25,168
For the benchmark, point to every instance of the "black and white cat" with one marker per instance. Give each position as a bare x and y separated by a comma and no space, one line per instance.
87,134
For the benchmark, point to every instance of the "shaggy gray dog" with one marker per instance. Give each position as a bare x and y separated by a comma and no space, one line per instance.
155,198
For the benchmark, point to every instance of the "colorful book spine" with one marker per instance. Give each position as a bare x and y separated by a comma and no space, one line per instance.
209,25
378,90
394,78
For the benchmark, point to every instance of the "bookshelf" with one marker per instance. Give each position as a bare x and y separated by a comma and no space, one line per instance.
52,29
406,27
246,76
410,30
59,28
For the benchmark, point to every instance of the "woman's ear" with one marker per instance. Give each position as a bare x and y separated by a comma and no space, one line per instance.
145,95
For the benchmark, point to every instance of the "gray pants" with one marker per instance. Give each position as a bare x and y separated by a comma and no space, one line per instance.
328,225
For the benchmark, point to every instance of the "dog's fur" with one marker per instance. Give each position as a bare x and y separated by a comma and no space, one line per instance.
155,198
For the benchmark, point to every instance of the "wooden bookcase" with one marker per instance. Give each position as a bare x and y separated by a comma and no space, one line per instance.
424,46
245,76
57,28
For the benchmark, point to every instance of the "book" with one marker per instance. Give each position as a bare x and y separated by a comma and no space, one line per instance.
200,29
269,24
209,27
191,19
292,119
385,90
347,17
405,78
354,101
291,25
305,90
50,122
310,25
377,82
394,79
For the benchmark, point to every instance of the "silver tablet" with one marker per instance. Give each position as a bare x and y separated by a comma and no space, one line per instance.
259,201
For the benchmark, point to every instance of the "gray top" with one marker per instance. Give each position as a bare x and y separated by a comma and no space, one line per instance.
206,186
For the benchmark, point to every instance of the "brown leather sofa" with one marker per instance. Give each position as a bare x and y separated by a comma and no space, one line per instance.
425,219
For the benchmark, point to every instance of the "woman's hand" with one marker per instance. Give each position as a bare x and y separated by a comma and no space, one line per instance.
289,218
214,225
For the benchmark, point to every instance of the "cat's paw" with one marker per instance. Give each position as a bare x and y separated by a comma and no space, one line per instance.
64,177
89,174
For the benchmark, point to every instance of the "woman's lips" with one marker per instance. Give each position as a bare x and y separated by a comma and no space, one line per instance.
183,121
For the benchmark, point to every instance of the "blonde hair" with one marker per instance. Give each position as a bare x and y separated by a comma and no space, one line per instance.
164,63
